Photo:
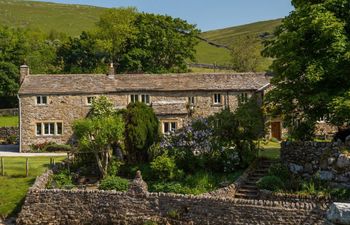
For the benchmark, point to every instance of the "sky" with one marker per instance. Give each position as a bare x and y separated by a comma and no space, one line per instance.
206,14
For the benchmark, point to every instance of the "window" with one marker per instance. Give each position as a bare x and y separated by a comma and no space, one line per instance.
169,127
191,100
145,99
243,97
217,99
41,100
90,100
49,128
134,98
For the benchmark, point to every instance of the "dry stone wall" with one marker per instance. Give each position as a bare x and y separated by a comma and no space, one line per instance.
43,206
329,161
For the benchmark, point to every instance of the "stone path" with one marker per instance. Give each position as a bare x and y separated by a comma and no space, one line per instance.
249,190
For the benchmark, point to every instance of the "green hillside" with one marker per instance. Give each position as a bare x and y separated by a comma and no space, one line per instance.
70,19
226,36
73,19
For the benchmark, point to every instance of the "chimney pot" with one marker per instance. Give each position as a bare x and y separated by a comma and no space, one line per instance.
111,71
24,71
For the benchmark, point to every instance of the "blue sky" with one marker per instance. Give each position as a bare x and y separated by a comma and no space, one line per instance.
207,14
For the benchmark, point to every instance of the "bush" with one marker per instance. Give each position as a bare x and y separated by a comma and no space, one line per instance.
61,180
114,167
165,167
279,170
114,183
11,139
271,183
53,147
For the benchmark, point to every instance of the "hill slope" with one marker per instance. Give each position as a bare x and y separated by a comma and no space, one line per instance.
226,36
70,19
73,19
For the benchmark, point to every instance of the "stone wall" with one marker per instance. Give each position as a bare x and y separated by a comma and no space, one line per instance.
9,112
75,207
6,132
329,161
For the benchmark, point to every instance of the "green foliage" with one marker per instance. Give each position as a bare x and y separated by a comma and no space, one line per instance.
173,213
114,29
245,54
57,148
311,65
9,79
279,170
102,107
165,168
114,183
162,44
271,183
141,131
81,55
63,179
98,136
114,167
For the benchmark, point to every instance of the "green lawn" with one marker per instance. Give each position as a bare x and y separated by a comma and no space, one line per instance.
14,185
8,121
271,150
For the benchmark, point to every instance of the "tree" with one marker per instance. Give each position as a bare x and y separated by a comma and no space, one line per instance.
82,55
311,66
245,53
102,107
9,79
141,131
97,136
114,29
162,44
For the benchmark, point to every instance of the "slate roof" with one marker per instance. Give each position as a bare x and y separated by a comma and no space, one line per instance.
100,83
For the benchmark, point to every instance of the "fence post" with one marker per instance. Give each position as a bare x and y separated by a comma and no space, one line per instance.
2,167
27,167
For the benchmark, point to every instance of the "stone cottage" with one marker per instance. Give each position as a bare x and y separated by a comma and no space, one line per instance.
50,103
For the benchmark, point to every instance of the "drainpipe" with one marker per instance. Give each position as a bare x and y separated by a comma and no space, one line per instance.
20,123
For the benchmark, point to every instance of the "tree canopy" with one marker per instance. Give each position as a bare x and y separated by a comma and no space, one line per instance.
311,66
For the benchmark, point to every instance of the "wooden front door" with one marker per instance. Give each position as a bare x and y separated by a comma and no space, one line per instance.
276,130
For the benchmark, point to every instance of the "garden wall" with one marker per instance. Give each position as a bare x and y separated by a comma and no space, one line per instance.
7,132
329,161
9,112
43,206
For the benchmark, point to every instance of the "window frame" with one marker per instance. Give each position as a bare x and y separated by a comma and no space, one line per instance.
92,100
39,100
191,100
140,98
243,97
217,96
49,128
171,125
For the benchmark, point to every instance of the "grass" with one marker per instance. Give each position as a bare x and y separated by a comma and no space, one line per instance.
271,150
208,54
8,121
14,185
69,19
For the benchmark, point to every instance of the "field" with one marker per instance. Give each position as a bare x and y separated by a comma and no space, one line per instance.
73,19
14,185
8,121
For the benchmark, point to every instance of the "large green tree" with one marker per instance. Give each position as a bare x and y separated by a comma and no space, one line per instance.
82,55
312,63
9,79
114,30
162,44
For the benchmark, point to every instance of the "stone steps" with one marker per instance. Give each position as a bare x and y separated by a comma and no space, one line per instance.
249,190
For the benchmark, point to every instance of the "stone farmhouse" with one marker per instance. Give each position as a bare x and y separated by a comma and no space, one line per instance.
49,104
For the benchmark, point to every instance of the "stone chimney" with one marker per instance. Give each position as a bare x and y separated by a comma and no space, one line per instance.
111,71
24,71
